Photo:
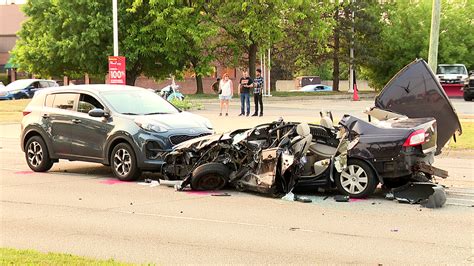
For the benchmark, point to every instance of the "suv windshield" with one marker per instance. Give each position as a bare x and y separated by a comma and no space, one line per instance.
452,70
138,102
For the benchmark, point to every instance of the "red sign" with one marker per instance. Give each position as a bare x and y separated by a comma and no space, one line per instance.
117,70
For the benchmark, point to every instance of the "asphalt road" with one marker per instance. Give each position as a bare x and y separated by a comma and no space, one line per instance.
79,208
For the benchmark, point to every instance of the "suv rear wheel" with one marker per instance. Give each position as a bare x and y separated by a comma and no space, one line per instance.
37,155
124,163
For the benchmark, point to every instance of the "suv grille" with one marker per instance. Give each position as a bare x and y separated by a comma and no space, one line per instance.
177,139
471,82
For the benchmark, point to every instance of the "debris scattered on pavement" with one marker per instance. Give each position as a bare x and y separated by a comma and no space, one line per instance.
389,196
294,228
303,199
170,183
427,194
394,230
225,194
341,198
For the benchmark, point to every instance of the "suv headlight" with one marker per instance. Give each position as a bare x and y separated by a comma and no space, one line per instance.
150,127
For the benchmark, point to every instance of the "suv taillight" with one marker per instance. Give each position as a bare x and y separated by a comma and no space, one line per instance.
415,138
25,113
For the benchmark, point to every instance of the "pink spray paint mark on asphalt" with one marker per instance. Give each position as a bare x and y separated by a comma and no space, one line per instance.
24,173
356,200
112,182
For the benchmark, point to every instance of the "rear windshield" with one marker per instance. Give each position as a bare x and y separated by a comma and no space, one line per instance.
138,102
452,70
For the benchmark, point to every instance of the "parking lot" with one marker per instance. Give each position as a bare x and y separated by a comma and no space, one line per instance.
79,208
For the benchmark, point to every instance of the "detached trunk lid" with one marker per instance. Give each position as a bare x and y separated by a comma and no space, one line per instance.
415,92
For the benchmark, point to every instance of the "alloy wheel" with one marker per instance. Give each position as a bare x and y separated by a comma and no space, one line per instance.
122,162
35,153
354,179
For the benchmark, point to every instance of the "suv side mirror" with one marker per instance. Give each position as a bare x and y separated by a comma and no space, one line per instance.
96,112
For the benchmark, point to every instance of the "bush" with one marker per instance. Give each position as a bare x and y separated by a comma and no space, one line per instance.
186,104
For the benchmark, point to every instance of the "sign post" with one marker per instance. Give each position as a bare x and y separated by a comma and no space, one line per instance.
117,70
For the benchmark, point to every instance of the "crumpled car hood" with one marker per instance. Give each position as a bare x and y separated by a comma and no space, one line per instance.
415,92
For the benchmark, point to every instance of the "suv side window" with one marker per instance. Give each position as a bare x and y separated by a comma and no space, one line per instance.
49,100
65,101
87,103
44,84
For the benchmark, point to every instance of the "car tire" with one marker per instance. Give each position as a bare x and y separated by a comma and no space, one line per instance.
123,163
37,155
210,176
358,180
467,98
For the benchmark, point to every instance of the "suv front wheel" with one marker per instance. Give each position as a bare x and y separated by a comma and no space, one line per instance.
124,163
37,155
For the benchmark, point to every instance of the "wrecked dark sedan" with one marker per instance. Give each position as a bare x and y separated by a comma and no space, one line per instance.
410,123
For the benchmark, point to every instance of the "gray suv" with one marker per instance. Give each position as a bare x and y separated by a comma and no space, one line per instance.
128,128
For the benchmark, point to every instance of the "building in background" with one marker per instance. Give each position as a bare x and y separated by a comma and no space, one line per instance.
11,18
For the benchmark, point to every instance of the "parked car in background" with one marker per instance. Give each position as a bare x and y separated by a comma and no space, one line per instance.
468,91
126,127
25,88
314,88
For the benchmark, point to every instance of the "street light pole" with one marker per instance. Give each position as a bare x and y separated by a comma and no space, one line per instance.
115,27
434,35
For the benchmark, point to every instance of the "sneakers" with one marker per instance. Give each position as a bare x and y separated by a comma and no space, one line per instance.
226,114
255,114
248,114
261,114
241,114
220,114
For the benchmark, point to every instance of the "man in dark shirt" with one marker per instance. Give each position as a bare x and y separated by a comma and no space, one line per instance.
257,92
245,84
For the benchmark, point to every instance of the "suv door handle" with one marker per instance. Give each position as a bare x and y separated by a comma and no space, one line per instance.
76,121
45,116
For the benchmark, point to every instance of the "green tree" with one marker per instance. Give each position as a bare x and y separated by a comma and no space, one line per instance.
247,26
75,37
188,32
405,36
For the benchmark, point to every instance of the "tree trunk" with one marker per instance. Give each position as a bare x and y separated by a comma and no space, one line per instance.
335,69
131,77
199,87
252,59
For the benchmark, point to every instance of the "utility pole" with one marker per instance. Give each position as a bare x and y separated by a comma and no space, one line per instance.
351,60
115,27
434,36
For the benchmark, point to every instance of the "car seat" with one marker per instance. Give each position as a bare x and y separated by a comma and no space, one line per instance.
322,150
300,144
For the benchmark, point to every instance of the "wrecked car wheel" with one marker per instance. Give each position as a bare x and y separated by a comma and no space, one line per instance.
210,176
358,180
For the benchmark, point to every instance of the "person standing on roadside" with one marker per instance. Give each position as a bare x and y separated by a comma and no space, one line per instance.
257,92
226,91
245,84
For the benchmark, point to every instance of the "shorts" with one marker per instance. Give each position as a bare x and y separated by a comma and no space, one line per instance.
223,97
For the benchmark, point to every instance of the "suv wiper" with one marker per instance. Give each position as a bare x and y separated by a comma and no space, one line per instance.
158,113
129,114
